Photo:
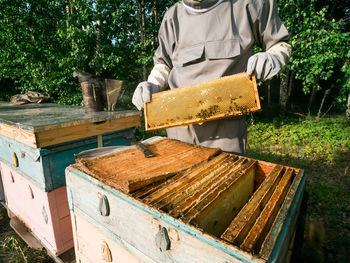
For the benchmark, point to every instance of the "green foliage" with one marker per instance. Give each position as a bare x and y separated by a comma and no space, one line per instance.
320,47
43,42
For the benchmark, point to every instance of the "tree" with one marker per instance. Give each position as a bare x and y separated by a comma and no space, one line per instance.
43,42
320,50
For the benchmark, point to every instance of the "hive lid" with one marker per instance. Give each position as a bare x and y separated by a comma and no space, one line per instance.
216,99
128,170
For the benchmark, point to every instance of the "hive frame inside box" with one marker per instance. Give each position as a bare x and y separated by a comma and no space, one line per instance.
279,236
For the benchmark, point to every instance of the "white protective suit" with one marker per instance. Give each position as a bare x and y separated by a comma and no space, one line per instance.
208,39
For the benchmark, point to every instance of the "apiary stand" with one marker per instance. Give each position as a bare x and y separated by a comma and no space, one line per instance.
37,142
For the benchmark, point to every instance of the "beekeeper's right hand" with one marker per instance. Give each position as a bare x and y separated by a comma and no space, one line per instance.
143,93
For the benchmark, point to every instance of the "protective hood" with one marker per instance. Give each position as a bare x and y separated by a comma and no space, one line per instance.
201,5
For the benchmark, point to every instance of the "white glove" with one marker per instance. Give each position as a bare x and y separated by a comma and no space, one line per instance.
143,93
267,64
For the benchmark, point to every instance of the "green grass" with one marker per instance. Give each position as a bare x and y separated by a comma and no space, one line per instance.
322,149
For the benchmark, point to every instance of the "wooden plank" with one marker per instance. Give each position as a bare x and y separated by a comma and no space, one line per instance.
16,133
135,223
192,180
56,122
215,208
263,223
221,174
71,133
200,182
277,240
92,245
129,170
220,98
25,233
243,222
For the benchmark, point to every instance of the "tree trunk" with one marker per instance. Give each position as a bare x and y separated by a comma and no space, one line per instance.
269,93
312,99
155,16
284,91
348,110
322,102
142,19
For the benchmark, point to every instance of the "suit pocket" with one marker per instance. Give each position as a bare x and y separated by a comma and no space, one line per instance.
191,55
222,49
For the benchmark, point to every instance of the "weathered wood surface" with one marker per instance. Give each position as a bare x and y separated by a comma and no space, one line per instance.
263,223
41,125
243,222
46,214
132,222
220,98
45,167
220,202
275,246
129,170
172,193
95,247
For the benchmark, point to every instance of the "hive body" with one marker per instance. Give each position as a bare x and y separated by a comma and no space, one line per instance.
226,208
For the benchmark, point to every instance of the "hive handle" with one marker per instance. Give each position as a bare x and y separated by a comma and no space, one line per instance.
103,205
162,239
15,160
106,252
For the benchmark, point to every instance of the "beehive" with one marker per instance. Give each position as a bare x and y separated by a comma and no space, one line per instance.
216,99
224,198
226,208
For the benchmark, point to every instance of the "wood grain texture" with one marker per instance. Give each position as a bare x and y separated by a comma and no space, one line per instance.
149,209
129,170
91,242
277,240
216,99
263,223
45,166
245,219
41,125
172,193
16,133
66,134
215,208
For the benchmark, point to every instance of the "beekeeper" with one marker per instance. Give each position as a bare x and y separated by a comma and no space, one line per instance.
201,40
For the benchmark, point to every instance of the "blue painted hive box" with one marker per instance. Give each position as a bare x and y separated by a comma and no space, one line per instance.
226,208
40,140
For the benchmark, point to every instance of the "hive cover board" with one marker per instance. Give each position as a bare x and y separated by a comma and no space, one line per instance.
129,170
216,99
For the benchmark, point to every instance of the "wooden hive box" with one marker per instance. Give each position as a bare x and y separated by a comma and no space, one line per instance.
45,214
40,140
225,209
37,142
216,99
